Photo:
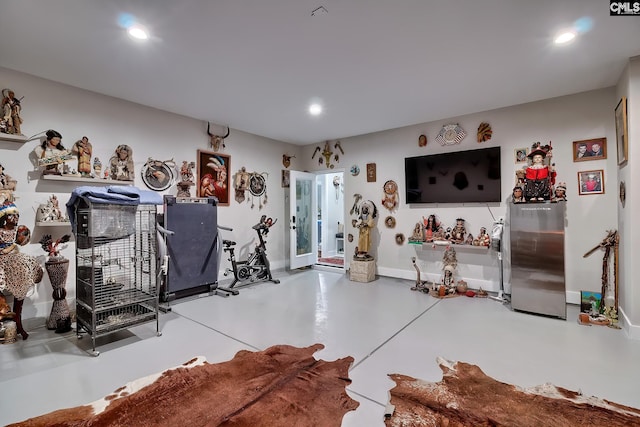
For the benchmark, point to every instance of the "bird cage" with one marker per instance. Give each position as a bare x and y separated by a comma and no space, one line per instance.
116,268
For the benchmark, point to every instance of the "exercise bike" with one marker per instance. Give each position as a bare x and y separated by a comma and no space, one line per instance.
256,267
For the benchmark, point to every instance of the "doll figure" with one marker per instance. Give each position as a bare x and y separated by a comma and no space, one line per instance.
82,148
459,231
51,153
560,193
517,195
19,273
417,235
97,167
483,238
365,224
469,240
539,177
121,164
431,225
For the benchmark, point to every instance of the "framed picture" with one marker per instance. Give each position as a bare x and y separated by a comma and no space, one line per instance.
590,302
591,182
520,155
213,176
371,172
286,178
622,142
590,149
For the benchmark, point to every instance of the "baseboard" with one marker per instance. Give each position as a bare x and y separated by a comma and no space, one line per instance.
632,331
472,283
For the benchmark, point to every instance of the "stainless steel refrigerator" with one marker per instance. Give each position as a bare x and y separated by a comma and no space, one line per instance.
537,258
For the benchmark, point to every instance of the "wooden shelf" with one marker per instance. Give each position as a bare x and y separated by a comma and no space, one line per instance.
74,178
13,138
53,223
455,246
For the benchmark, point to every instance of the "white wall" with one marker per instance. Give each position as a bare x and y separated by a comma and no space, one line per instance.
560,120
109,122
629,87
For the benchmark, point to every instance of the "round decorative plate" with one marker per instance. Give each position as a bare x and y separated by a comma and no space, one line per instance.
257,184
390,187
157,175
390,222
355,170
399,238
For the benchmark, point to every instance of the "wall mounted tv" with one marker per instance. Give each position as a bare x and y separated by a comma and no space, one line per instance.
471,176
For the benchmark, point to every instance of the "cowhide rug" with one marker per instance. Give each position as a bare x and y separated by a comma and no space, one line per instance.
468,397
280,386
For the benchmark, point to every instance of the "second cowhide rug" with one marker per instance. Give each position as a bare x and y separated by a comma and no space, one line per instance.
280,386
468,397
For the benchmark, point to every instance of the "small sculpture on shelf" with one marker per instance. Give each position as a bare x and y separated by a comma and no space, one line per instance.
459,232
83,150
560,192
11,121
483,238
417,235
122,164
51,153
447,285
517,195
186,179
431,226
539,174
7,186
51,212
97,168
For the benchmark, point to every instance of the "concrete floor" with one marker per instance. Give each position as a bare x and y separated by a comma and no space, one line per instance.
382,324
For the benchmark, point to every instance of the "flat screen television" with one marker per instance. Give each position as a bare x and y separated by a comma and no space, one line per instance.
471,176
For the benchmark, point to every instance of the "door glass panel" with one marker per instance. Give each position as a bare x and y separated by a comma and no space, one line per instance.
303,217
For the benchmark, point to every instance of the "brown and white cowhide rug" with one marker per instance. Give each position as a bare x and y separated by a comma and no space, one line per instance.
280,386
468,397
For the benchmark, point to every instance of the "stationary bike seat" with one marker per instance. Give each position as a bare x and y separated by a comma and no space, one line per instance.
228,242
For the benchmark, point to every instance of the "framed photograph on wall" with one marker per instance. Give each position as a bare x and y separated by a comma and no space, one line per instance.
622,142
590,149
591,182
520,155
371,172
213,176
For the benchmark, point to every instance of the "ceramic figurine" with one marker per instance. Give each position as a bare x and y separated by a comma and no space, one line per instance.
7,186
122,164
431,226
51,153
11,121
459,232
417,235
83,149
483,238
517,196
560,193
97,167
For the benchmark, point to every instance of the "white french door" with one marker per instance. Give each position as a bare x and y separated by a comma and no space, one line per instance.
303,212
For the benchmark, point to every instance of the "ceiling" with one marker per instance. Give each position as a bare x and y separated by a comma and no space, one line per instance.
256,65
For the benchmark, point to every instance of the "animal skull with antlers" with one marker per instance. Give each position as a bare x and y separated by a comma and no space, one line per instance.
216,140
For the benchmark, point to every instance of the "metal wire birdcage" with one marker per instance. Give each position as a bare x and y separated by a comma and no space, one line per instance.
116,268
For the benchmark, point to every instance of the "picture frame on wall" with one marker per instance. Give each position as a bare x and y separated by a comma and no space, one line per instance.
371,172
590,149
591,182
622,138
520,155
213,176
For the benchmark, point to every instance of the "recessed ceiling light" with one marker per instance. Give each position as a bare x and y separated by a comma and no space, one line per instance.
565,37
315,109
138,32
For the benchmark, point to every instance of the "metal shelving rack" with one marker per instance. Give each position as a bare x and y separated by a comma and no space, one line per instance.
116,268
